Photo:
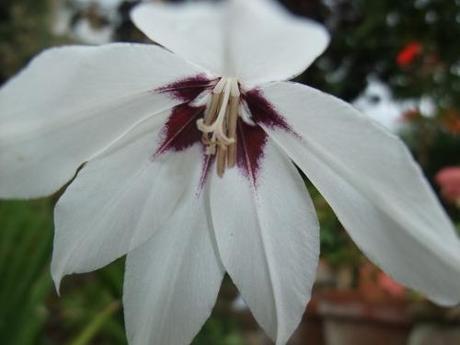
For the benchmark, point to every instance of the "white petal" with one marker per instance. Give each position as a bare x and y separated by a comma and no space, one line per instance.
191,30
268,239
118,201
172,281
375,187
72,102
268,44
256,41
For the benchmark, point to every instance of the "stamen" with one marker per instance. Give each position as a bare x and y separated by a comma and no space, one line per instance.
220,123
221,160
213,109
232,123
219,86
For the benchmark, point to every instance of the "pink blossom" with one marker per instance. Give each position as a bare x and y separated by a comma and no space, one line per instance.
449,181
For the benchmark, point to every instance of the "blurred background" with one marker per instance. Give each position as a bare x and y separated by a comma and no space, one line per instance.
397,61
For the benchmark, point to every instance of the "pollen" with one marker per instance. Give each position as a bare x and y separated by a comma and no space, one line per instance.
219,124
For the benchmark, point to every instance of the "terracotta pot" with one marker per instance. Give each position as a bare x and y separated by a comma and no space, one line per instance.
310,331
435,334
340,317
349,319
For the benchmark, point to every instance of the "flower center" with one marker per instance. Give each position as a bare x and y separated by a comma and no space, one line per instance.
219,124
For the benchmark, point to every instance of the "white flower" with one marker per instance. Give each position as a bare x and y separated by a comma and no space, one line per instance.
189,168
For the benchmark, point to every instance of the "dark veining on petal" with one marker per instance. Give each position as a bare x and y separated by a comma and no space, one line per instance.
208,163
264,112
180,131
187,89
252,139
250,151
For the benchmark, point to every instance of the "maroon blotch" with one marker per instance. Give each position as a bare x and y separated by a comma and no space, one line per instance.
250,151
187,89
252,139
263,112
180,131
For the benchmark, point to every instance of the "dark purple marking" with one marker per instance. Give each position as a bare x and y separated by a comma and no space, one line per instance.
180,131
208,163
264,112
252,139
250,149
187,89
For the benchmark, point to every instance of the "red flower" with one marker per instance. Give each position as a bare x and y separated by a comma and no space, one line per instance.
409,53
449,181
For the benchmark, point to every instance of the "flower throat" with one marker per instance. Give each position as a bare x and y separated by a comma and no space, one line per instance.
219,124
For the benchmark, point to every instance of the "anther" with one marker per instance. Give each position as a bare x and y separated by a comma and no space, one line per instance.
232,123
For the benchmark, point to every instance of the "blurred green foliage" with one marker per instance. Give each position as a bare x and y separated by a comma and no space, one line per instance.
367,36
25,244
89,310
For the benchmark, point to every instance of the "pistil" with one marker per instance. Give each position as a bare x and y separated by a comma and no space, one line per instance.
220,123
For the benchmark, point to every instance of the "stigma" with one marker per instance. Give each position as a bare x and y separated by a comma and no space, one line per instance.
219,124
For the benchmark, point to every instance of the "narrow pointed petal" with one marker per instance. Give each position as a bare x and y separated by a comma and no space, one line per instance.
257,41
70,103
268,239
118,201
375,187
172,281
